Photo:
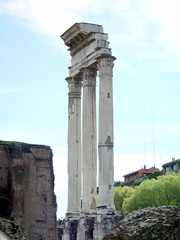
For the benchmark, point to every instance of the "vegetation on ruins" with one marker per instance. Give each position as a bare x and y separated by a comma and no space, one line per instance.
165,190
60,221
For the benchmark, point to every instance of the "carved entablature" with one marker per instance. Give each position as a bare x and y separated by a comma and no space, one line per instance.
86,43
74,85
78,31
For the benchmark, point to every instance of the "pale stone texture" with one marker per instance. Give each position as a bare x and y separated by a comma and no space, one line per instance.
74,146
29,193
70,228
86,42
89,50
3,236
104,223
106,134
89,141
86,227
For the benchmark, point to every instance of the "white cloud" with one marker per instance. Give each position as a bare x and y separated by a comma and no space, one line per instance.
143,29
45,16
11,90
167,12
56,16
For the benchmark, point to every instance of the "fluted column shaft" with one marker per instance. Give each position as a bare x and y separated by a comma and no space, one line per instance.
89,140
74,145
106,133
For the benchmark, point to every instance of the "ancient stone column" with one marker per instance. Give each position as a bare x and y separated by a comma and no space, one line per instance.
89,158
106,133
74,145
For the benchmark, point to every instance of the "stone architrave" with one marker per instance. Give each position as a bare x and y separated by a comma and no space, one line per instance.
106,134
74,145
89,141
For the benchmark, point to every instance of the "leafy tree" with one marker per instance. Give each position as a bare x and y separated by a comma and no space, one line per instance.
60,221
120,194
118,183
165,190
155,175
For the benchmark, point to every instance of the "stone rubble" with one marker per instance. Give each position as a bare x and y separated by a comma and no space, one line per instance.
10,231
152,223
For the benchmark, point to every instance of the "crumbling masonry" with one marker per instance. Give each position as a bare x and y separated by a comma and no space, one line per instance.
27,189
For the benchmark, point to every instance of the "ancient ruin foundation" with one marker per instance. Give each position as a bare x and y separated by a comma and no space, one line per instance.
90,54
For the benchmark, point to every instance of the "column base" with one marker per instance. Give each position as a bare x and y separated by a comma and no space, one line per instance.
90,226
88,213
105,222
72,214
105,209
70,228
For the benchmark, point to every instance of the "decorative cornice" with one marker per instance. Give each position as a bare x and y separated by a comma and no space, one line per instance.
78,31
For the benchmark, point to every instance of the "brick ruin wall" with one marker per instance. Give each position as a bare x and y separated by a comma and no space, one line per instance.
27,189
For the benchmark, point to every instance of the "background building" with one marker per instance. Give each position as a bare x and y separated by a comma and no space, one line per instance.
174,165
140,173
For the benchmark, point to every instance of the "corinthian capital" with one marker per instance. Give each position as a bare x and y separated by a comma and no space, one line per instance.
74,85
89,76
105,65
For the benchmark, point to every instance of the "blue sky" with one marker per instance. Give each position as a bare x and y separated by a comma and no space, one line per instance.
144,37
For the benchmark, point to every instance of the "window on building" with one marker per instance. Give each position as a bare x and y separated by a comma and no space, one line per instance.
174,167
167,169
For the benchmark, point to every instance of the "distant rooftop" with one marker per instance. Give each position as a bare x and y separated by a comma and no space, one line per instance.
144,169
171,163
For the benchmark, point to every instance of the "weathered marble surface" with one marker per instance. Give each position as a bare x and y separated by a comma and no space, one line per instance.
89,142
152,223
74,145
106,133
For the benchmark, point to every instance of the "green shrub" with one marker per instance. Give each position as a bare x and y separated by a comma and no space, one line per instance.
165,190
120,194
